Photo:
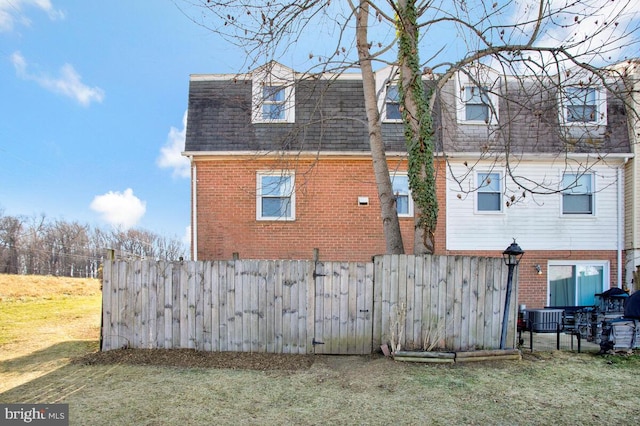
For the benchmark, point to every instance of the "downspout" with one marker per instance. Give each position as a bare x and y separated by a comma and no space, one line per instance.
620,223
194,210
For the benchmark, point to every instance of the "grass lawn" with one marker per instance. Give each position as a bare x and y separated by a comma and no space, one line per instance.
543,388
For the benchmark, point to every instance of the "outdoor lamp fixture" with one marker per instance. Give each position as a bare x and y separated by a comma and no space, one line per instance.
511,257
538,269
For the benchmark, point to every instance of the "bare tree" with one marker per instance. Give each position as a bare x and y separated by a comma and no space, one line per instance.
538,44
41,247
10,230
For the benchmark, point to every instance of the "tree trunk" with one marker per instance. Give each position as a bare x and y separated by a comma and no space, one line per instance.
390,222
418,129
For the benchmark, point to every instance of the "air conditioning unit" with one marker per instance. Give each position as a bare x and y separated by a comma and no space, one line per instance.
545,320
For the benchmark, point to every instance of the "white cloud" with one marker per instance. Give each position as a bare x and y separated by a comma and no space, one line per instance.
119,209
11,12
591,30
68,83
170,154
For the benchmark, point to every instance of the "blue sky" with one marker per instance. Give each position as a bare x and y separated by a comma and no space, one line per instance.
92,100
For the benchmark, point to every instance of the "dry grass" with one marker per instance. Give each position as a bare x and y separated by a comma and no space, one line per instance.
543,388
44,321
29,287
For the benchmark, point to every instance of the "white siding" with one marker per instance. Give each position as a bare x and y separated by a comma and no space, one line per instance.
536,221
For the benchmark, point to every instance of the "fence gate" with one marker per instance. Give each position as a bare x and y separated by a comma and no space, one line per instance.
343,308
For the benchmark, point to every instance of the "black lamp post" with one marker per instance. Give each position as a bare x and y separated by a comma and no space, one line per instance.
511,257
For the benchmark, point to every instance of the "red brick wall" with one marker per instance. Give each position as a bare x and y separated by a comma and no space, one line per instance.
328,216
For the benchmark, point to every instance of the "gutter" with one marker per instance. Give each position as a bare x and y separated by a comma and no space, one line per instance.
620,222
194,210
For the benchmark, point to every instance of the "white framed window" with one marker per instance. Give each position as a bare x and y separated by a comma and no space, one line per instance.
584,105
477,96
273,103
404,202
576,283
276,198
476,104
577,194
392,104
489,193
273,94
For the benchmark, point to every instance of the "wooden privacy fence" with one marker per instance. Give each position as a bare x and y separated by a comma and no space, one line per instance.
297,306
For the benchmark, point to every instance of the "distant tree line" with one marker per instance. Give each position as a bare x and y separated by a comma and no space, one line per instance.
39,246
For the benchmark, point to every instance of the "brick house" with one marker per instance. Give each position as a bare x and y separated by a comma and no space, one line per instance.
281,169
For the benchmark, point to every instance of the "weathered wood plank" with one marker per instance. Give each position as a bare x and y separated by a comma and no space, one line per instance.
238,325
443,299
465,302
205,306
399,295
261,336
310,312
294,285
378,284
250,328
223,314
278,311
480,304
343,307
425,354
230,296
327,299
369,310
417,312
217,305
496,306
270,308
409,300
167,277
303,273
318,317
335,308
107,313
124,307
286,306
151,301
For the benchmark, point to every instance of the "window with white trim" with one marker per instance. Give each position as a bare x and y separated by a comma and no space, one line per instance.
489,193
577,194
476,104
273,103
273,94
404,202
392,104
477,99
275,196
584,105
576,283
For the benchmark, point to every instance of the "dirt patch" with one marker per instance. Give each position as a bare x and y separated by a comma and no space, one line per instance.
189,358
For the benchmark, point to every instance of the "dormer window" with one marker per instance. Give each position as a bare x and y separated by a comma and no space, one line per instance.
585,105
582,101
581,105
392,104
273,103
476,96
273,94
476,104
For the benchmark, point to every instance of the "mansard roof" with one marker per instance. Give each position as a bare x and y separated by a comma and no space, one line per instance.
330,117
